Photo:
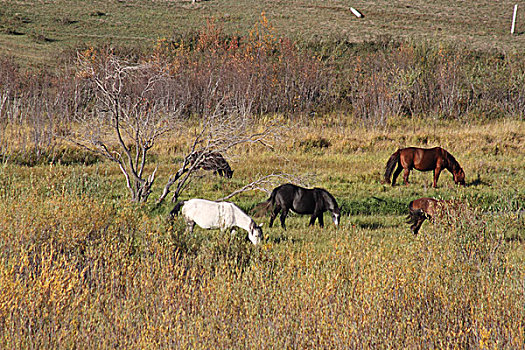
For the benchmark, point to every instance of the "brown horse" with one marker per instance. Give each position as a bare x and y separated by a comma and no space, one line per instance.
422,209
423,159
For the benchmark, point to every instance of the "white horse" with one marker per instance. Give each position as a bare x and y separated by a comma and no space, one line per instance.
217,215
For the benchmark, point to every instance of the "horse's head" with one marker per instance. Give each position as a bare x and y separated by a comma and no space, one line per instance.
459,176
454,167
228,173
331,204
336,215
255,234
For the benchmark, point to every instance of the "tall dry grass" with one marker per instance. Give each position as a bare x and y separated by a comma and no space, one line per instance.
80,266
80,273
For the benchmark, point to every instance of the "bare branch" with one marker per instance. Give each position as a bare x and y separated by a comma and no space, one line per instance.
219,132
132,111
265,184
134,106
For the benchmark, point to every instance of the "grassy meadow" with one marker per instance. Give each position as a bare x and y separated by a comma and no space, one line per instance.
83,266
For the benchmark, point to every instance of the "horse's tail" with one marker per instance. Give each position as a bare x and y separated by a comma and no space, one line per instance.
391,164
264,207
176,209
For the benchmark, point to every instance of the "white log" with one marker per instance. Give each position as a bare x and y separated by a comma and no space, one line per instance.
514,19
356,13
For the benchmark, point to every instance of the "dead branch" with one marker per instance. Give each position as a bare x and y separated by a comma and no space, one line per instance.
266,184
134,106
133,109
220,132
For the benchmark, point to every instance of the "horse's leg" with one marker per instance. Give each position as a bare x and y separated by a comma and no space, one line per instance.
415,228
190,225
275,211
405,175
284,212
396,174
233,232
437,171
317,215
312,219
321,220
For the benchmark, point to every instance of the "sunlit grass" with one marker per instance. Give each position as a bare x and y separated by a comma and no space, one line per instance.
82,267
75,24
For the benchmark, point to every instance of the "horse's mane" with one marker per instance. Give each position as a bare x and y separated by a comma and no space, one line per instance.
452,161
328,194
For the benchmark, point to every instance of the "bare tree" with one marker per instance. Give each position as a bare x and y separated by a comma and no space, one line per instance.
220,131
136,104
133,108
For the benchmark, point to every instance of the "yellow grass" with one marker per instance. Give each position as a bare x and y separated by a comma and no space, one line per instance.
81,267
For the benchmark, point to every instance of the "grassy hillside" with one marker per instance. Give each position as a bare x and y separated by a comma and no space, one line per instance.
36,32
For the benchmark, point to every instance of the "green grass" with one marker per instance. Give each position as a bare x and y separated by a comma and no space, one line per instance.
81,266
37,32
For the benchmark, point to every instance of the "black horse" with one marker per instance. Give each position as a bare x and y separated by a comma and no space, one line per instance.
302,201
211,161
